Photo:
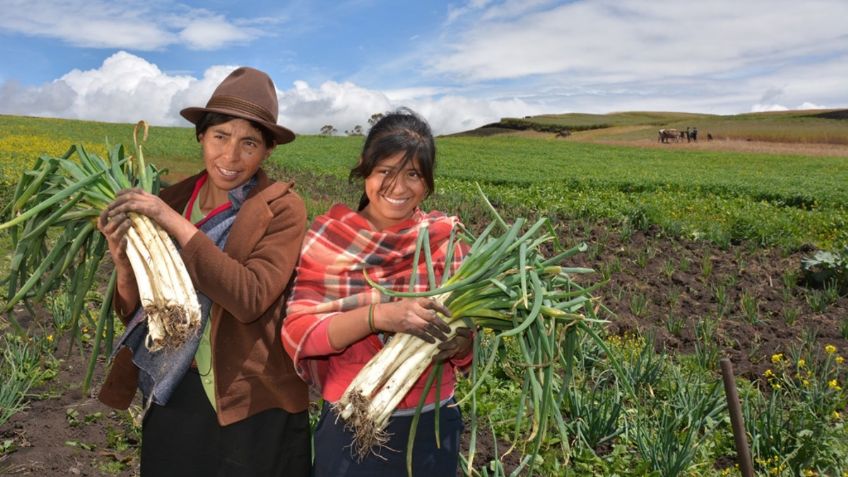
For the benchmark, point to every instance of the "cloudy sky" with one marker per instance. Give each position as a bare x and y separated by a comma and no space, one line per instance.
461,63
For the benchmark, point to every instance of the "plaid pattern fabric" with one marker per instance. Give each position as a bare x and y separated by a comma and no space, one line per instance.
338,248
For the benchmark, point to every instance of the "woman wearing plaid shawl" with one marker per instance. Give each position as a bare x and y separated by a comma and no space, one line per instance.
336,322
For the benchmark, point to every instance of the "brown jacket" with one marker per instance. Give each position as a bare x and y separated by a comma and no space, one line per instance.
246,282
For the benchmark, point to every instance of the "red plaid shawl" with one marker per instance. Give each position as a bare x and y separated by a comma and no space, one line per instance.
337,248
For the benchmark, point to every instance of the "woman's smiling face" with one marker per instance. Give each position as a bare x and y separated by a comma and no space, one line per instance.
232,151
394,191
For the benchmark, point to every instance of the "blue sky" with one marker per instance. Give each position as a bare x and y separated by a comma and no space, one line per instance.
461,64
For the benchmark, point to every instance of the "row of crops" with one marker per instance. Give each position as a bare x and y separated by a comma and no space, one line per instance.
786,201
773,200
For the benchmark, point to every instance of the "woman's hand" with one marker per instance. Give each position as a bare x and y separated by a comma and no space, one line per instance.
114,228
414,316
457,347
115,231
145,203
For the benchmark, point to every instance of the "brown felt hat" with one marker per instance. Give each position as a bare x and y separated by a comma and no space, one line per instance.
246,93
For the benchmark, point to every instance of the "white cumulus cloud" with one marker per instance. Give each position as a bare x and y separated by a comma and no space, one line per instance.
608,55
214,32
130,24
126,88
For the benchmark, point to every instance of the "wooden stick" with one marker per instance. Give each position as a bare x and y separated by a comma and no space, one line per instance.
743,455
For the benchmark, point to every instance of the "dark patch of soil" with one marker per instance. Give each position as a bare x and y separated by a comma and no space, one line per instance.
667,286
63,432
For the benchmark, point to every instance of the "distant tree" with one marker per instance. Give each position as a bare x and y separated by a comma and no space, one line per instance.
356,131
374,118
328,130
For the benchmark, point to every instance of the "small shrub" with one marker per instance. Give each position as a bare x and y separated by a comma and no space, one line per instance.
668,269
827,269
674,324
720,294
750,307
706,267
638,304
790,315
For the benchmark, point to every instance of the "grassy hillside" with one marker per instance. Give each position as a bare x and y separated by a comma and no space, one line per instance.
816,126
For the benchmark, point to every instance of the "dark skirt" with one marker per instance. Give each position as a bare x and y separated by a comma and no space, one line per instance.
183,438
335,457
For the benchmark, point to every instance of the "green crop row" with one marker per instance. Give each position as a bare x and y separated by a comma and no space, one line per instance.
771,200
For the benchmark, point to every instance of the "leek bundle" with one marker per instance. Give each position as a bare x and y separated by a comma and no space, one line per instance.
509,289
64,196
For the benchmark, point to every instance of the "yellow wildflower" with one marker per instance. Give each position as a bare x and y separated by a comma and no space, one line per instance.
50,338
836,416
834,384
840,360
802,362
777,358
768,373
830,349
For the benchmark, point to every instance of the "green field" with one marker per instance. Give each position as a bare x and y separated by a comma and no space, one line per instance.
698,246
784,200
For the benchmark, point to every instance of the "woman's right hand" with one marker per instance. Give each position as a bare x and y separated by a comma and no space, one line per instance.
414,316
115,230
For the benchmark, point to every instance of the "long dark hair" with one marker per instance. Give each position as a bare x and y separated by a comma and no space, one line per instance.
399,131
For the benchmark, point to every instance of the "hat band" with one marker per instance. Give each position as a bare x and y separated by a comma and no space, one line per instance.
238,104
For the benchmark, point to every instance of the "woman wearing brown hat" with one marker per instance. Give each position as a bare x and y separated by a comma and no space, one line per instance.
228,402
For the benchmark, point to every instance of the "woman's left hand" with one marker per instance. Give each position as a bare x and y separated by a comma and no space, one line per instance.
145,203
457,347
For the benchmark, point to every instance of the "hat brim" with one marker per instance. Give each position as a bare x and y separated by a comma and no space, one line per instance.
281,135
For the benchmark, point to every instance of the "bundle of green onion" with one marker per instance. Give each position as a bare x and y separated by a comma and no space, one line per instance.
508,288
52,219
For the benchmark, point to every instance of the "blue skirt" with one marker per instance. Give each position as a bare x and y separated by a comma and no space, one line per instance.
335,457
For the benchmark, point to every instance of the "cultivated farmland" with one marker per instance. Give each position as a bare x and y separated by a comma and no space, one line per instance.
700,245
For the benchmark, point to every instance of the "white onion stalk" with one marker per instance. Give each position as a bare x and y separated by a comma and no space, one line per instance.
381,385
164,286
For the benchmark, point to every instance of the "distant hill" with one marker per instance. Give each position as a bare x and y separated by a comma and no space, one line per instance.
807,126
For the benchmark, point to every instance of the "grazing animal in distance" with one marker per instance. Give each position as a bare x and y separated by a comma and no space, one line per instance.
692,135
668,135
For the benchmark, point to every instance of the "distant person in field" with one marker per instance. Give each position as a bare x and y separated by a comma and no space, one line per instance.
337,322
228,402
